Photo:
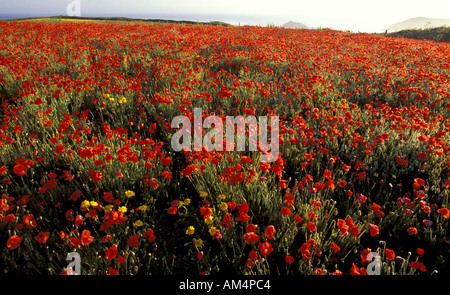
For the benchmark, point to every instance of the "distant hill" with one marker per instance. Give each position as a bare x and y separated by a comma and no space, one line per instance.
418,23
294,25
439,34
115,19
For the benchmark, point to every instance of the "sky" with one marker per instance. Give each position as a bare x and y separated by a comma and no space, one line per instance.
354,15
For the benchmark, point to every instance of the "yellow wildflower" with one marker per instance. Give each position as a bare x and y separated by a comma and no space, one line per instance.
143,207
129,194
190,230
123,209
223,206
138,223
203,194
209,220
187,201
212,230
222,196
108,208
198,243
85,204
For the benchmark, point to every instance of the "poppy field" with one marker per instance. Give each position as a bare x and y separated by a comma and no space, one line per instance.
87,166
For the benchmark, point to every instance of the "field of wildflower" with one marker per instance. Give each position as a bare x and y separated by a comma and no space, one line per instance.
86,163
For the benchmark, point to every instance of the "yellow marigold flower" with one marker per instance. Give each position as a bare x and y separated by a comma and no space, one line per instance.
108,208
223,206
187,201
222,196
143,207
123,209
203,194
129,194
138,223
198,243
212,230
190,230
85,204
93,203
122,100
209,220
375,174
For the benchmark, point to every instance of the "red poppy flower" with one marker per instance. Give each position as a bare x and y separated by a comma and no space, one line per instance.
149,234
86,237
24,200
361,176
390,254
418,183
20,170
217,235
133,241
172,210
29,221
251,237
108,197
355,270
304,249
342,183
264,166
298,218
10,218
95,176
285,211
289,259
418,265
42,237
265,248
253,255
270,231
14,242
374,230
70,215
335,247
74,242
231,205
60,148
111,253
113,272
364,254
79,220
310,226
121,259
444,212
411,230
